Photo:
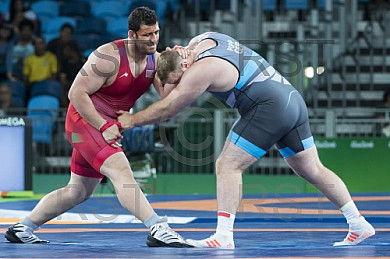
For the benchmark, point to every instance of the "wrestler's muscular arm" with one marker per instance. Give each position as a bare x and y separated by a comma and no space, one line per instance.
193,83
96,73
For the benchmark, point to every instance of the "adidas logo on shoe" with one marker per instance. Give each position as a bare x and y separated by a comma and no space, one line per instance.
359,230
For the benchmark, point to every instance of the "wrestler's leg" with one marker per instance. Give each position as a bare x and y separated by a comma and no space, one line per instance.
79,189
50,206
308,165
229,168
117,168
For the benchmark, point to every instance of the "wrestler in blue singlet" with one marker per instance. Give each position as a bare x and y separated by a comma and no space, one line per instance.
272,110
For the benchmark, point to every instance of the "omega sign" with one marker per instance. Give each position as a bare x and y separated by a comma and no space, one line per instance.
12,121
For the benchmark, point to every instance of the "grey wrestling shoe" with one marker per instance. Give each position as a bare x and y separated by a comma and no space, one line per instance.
162,235
20,233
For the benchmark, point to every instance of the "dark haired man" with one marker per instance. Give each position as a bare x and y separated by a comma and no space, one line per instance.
272,112
113,78
56,45
40,66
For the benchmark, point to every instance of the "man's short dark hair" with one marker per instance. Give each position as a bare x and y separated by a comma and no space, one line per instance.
141,15
67,25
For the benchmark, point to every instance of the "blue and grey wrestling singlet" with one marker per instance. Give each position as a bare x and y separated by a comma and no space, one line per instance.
272,110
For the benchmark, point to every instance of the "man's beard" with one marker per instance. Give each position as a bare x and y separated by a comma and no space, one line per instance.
143,49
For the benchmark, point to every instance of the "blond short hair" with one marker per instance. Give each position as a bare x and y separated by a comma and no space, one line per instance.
169,61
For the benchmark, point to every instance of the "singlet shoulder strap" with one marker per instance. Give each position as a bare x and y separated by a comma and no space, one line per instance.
151,63
122,52
119,43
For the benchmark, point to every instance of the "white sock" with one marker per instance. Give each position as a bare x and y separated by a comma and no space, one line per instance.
350,211
225,222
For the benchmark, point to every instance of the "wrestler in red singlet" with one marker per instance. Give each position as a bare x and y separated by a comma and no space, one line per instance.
90,149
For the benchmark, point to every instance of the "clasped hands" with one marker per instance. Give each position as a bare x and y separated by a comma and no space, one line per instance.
111,130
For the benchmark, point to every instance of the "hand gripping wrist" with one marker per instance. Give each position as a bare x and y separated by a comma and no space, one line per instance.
109,124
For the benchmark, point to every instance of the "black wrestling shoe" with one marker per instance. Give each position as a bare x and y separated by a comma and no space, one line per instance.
20,233
162,235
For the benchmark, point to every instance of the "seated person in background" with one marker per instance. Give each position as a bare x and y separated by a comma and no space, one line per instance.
69,66
19,12
386,104
23,48
40,66
6,34
386,99
56,46
6,100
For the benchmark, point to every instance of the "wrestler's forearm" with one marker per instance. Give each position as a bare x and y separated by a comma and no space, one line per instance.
155,113
162,110
84,106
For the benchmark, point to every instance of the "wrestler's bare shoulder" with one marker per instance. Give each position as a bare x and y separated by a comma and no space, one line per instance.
106,58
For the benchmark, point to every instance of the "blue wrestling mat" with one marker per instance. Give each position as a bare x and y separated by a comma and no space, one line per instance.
287,226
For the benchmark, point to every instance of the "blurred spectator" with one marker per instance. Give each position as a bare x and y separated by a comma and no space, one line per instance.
23,48
386,99
56,45
69,67
383,125
18,12
5,98
6,34
40,66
